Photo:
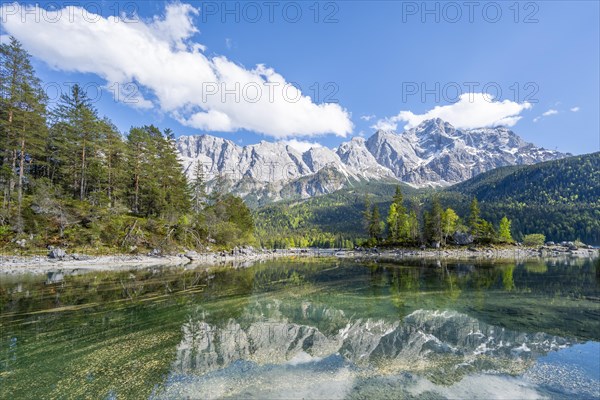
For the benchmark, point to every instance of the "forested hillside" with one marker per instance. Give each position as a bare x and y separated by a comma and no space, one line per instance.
560,199
333,220
569,180
69,178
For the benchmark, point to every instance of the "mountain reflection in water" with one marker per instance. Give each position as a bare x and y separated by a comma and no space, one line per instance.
305,329
277,358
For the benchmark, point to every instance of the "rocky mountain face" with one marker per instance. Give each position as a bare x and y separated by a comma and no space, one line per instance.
448,340
436,153
432,154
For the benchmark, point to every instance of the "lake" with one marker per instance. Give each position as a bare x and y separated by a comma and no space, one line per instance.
306,329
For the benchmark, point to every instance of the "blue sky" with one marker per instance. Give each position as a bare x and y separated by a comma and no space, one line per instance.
390,63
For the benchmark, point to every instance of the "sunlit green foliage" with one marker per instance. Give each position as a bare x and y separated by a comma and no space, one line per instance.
534,239
571,212
504,234
71,179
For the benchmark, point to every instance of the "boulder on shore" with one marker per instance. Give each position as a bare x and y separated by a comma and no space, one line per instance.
57,253
192,255
462,238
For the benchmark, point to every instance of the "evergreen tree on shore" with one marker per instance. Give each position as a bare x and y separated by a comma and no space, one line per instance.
398,221
198,188
375,224
433,221
475,218
69,177
22,122
77,124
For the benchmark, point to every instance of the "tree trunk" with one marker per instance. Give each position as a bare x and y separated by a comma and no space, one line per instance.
11,179
137,190
13,163
20,187
82,182
109,188
5,199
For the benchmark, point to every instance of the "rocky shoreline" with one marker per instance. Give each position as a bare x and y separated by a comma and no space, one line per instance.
513,253
246,256
12,265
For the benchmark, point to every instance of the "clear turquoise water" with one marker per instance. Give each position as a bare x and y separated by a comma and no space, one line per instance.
305,329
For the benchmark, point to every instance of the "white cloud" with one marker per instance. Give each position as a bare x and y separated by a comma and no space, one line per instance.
160,56
367,117
228,43
301,145
386,124
548,113
575,109
473,110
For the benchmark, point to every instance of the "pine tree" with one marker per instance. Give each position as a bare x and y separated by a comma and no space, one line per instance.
198,188
375,228
474,218
173,183
77,123
397,198
487,230
366,214
219,189
114,161
392,221
138,156
22,119
434,221
158,185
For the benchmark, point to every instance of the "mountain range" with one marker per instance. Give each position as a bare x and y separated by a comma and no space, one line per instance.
558,198
432,154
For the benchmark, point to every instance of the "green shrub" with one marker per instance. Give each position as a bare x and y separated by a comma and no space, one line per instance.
534,239
5,233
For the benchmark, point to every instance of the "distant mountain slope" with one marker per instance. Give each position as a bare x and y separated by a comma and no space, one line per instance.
432,154
569,180
559,198
322,221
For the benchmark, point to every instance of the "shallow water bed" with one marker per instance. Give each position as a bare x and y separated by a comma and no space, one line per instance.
306,329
